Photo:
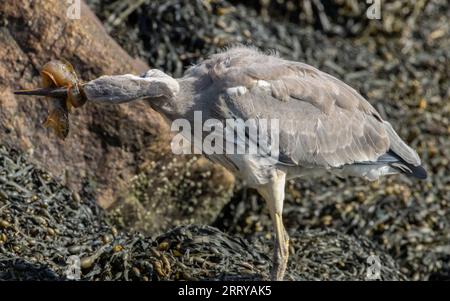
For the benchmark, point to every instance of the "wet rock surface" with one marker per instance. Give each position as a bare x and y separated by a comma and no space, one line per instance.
170,192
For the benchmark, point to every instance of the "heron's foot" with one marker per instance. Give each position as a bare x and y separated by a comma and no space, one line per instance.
280,260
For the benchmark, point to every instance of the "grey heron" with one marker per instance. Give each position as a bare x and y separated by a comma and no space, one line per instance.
325,126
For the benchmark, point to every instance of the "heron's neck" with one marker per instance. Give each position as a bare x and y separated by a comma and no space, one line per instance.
178,103
161,84
164,93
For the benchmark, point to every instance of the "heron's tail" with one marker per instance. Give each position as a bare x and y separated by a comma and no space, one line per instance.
402,157
393,160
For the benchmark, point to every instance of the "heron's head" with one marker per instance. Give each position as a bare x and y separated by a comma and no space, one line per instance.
124,88
64,90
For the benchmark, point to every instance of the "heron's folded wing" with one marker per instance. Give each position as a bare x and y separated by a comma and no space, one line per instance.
322,120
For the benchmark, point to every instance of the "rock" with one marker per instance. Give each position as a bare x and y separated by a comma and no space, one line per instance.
107,145
173,192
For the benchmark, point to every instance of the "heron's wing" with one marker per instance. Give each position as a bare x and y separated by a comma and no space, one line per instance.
322,120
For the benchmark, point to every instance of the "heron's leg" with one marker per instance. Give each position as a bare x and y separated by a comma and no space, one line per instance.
273,193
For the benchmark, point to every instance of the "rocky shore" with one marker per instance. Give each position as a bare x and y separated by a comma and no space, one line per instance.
172,218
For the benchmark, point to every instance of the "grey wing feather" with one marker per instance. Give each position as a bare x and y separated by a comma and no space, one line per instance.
399,147
323,121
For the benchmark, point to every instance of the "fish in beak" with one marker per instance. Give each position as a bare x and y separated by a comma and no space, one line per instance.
64,91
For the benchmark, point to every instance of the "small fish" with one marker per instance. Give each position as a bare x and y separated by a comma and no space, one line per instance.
63,91
58,119
58,74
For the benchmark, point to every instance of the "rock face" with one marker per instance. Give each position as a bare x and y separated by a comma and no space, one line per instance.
107,145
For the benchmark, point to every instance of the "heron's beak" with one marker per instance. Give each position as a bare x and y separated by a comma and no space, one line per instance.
61,92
